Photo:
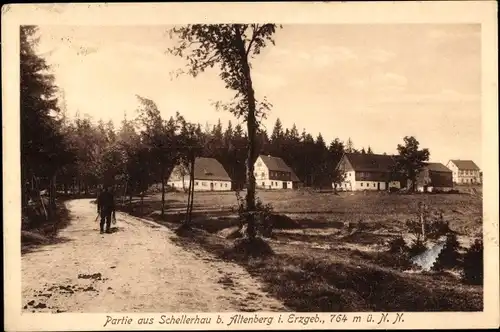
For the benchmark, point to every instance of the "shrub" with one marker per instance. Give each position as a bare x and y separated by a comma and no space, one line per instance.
399,253
449,257
262,213
434,224
416,248
473,264
398,246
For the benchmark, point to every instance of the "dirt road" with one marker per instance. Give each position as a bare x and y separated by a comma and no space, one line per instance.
137,268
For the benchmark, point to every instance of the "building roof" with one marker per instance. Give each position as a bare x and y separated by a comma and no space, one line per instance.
437,167
205,169
277,164
465,164
209,169
368,162
436,176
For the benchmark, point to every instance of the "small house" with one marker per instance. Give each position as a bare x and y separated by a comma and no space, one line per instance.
273,173
209,175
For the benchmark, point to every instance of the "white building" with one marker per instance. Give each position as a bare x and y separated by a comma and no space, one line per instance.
464,171
209,175
274,173
366,171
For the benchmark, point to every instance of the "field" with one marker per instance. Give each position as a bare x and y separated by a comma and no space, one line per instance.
325,266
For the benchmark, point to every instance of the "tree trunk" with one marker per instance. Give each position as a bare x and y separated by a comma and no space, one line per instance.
124,196
162,191
142,201
187,220
252,130
191,184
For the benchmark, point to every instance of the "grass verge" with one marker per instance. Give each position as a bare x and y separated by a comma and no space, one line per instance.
339,281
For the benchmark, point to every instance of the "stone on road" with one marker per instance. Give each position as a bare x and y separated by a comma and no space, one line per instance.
137,268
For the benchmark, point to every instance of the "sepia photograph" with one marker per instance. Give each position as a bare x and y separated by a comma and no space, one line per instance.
253,169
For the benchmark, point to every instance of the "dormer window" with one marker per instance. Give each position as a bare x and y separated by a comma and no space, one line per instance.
207,172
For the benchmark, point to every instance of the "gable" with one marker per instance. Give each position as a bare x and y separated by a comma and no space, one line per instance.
344,164
276,164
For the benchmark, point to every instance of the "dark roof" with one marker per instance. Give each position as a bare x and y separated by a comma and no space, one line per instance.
465,164
209,169
367,162
204,169
278,165
437,167
435,177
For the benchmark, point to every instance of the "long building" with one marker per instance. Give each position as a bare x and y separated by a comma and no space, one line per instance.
209,175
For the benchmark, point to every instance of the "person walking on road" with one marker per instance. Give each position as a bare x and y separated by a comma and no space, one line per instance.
106,209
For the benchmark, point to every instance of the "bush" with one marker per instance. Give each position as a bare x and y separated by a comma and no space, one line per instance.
398,246
416,248
473,264
245,248
399,253
434,224
262,213
449,257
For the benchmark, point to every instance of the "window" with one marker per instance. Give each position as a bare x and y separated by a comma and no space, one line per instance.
374,185
204,184
262,175
259,164
196,183
361,184
226,185
263,184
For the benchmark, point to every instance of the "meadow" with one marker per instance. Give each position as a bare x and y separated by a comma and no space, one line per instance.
337,259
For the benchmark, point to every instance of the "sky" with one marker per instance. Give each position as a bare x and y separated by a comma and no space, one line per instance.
373,83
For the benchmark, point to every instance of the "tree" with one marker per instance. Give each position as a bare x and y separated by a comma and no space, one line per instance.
349,146
44,151
411,160
191,143
369,151
160,138
230,47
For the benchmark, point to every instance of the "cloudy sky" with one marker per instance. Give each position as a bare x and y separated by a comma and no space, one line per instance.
373,83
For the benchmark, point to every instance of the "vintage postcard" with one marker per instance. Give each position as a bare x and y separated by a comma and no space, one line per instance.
235,166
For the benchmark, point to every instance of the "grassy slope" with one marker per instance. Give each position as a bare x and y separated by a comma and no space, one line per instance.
336,279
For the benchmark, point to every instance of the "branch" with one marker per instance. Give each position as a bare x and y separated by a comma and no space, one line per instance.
254,35
256,32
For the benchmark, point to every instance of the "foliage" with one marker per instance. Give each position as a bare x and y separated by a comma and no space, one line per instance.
473,264
45,153
427,224
397,245
410,160
416,248
449,257
262,213
230,47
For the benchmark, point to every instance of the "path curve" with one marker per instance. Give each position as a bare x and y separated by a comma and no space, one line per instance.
136,269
